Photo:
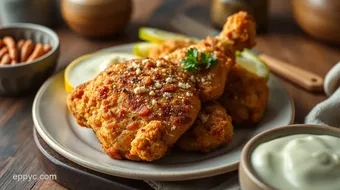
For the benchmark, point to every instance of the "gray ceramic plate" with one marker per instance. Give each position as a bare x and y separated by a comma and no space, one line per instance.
57,127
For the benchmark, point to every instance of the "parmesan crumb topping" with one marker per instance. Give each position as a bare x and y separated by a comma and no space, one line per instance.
204,118
192,78
167,95
184,85
152,93
169,80
158,63
153,102
135,65
145,61
139,90
158,85
138,71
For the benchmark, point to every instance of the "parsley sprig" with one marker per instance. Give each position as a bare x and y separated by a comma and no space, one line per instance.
195,60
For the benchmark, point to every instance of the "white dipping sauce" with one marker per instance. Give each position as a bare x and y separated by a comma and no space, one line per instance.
91,66
303,162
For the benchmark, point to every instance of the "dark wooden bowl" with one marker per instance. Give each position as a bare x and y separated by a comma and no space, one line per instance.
319,18
96,18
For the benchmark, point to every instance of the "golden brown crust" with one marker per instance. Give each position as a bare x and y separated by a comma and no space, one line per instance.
209,82
148,143
129,98
168,47
139,109
212,129
245,96
240,29
238,33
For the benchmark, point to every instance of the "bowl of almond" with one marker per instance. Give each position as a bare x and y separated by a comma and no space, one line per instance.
28,56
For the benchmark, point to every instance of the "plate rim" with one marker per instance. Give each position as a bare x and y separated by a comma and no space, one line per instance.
127,173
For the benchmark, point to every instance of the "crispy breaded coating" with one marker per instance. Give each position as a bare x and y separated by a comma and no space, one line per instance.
245,97
239,32
209,82
212,129
169,47
148,143
138,109
240,29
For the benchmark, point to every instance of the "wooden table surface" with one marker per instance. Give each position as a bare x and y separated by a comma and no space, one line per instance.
284,40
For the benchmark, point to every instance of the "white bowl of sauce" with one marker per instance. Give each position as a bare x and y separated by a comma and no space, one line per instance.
303,157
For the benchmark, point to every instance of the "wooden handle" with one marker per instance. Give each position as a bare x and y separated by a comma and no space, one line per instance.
303,78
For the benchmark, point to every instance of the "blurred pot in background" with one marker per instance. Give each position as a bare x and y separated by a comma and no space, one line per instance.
222,9
41,12
319,18
96,18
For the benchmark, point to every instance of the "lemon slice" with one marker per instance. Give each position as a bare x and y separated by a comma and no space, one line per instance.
142,49
159,36
86,67
252,63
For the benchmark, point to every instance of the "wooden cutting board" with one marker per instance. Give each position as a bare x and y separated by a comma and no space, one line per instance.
74,176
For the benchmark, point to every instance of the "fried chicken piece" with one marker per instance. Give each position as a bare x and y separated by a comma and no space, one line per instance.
245,97
137,108
238,32
168,47
209,82
212,129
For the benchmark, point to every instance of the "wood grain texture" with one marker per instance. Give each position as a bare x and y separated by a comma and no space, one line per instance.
305,79
285,40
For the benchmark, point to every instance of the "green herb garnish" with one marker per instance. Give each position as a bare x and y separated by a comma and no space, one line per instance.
196,60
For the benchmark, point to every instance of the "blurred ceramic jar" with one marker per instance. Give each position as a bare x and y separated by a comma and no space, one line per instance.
222,9
96,18
41,12
319,18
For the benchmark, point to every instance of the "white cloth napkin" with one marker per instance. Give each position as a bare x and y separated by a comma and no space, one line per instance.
328,111
325,113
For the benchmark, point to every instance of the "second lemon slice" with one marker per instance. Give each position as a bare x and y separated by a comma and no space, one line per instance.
252,63
158,36
86,67
142,49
